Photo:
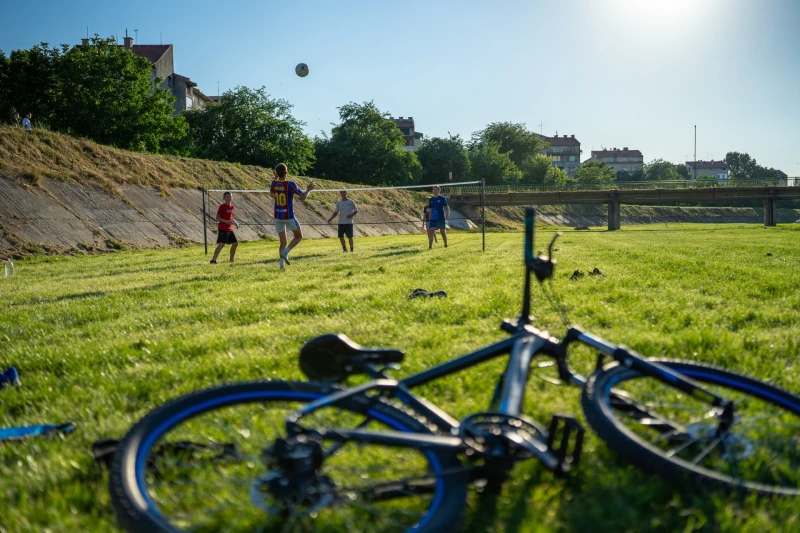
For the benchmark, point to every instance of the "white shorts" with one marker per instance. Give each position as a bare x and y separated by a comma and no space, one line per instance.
290,224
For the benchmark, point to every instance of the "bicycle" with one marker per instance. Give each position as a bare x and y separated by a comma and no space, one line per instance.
376,456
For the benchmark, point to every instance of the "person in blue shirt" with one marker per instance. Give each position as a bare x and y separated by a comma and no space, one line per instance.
440,212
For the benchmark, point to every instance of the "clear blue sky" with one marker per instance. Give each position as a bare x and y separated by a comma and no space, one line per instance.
635,73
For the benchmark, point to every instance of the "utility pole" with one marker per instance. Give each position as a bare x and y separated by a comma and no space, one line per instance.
541,125
695,153
450,150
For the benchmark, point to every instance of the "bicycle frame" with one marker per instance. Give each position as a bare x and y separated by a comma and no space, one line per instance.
526,343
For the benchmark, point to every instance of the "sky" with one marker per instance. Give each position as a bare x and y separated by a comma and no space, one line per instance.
615,73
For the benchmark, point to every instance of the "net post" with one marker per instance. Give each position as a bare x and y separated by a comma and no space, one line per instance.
483,214
205,230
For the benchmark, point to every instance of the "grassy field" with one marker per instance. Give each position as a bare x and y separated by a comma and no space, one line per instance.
101,340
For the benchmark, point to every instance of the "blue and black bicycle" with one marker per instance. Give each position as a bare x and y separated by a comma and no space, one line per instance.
300,456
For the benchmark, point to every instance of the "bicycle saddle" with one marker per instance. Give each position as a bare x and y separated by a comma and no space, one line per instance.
333,357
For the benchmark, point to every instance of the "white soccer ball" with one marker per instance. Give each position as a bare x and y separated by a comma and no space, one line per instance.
301,70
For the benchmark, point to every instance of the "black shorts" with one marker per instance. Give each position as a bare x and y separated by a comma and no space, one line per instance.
226,237
345,230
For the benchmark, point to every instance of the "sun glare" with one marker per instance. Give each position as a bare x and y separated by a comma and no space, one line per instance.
654,13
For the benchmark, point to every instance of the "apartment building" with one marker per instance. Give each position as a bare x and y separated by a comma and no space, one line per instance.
565,152
619,159
411,136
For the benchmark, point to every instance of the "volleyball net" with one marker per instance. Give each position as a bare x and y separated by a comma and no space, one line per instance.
381,210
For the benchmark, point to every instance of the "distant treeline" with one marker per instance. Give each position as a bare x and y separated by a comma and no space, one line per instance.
103,92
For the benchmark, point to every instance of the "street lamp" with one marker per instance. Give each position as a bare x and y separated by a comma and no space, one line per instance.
450,149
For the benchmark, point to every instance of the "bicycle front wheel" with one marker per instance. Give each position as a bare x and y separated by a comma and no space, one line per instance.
664,431
200,463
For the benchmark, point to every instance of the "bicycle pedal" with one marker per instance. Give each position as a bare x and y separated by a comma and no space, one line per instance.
565,441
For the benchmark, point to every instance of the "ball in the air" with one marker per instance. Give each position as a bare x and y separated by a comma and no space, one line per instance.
301,70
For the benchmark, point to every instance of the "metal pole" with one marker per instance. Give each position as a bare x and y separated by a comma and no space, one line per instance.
450,150
205,230
695,153
483,213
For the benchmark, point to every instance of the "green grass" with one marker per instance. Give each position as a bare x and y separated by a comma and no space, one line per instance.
101,340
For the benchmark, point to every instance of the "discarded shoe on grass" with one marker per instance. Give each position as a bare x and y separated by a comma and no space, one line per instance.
578,274
417,293
10,376
596,272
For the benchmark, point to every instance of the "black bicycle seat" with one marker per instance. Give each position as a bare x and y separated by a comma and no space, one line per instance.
333,357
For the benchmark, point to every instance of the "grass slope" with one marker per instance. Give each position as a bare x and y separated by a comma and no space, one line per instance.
101,340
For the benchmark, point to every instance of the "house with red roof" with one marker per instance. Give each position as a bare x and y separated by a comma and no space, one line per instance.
185,91
717,169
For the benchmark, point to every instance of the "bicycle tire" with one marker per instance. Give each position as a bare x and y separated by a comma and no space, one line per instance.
776,406
134,505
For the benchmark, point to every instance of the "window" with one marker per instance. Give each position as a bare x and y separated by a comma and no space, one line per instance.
556,158
608,159
188,102
406,131
572,158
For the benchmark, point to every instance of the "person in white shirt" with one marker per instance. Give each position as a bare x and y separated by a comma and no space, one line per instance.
346,209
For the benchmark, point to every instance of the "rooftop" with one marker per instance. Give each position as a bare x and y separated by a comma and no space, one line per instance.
564,140
707,165
616,152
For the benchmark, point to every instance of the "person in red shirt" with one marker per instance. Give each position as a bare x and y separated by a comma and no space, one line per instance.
225,226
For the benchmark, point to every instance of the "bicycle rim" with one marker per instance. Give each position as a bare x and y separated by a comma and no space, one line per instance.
208,491
670,433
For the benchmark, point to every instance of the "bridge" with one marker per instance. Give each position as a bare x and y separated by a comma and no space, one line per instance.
470,198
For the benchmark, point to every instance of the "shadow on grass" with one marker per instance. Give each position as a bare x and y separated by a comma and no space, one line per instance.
603,497
65,298
399,252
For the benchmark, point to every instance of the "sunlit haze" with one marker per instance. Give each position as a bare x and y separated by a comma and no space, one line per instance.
615,73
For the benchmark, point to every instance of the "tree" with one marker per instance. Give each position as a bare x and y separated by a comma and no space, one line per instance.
31,82
535,169
636,175
741,166
249,127
592,172
435,154
108,96
515,140
660,170
489,164
556,176
683,172
101,91
366,147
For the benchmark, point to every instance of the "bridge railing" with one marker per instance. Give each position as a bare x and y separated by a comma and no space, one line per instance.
618,185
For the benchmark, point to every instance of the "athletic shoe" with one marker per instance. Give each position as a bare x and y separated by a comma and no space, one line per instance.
281,263
285,256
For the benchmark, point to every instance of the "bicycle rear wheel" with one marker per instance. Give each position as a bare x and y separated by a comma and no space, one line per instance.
199,463
667,432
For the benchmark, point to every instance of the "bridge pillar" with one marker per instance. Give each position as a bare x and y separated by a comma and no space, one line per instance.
472,212
769,212
613,216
